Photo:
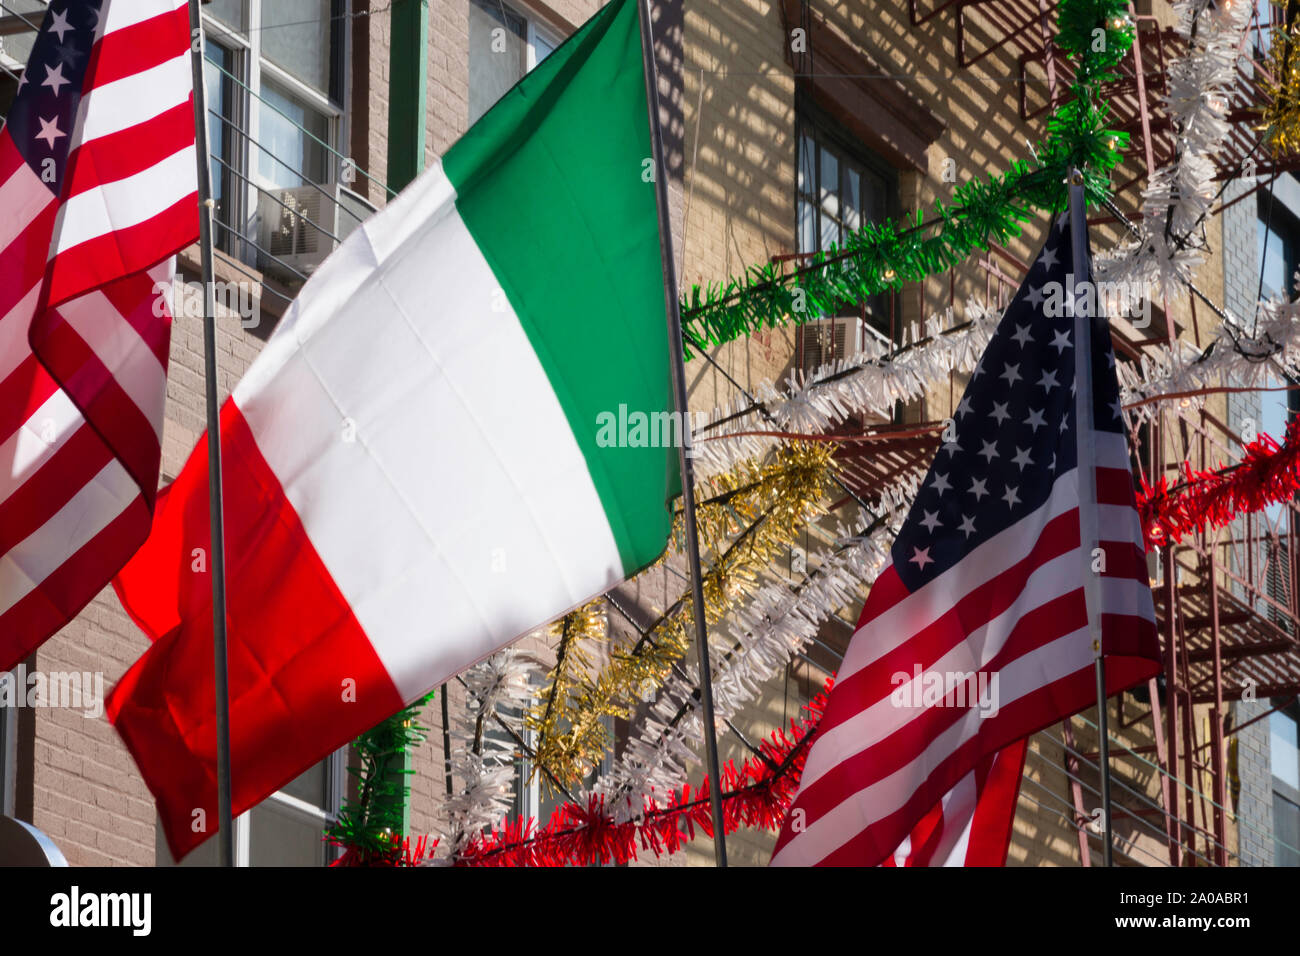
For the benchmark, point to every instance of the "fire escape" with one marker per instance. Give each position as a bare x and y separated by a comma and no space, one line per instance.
1226,600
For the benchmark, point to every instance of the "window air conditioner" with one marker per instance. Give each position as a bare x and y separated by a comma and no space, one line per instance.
828,340
288,221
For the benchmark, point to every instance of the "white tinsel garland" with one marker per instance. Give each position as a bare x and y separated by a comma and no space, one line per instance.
857,386
1178,196
482,759
1234,358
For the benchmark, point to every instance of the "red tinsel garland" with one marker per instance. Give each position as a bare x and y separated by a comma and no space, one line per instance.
400,854
757,794
1267,474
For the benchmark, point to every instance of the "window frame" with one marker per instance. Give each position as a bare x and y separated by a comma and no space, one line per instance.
281,802
253,69
535,25
816,123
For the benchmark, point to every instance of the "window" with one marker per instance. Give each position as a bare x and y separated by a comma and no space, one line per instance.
285,829
276,81
504,44
1284,757
1278,248
841,186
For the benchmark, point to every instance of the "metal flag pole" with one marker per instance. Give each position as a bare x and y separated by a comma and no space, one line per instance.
685,454
1089,532
225,821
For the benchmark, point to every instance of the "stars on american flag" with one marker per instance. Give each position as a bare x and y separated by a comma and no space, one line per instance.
59,23
1016,432
49,90
50,131
54,78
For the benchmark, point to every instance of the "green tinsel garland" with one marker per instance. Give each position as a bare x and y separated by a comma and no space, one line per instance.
1095,35
370,827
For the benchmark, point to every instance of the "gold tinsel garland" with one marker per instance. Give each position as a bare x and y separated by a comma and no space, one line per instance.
747,518
1281,113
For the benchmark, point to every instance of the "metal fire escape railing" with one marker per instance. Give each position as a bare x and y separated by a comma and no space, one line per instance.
1226,601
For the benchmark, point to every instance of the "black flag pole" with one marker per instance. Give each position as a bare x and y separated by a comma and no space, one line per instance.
676,350
217,563
1089,532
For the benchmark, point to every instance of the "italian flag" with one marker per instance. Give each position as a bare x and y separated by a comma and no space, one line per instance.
412,471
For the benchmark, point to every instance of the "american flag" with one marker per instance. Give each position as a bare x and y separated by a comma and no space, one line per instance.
971,825
98,191
977,634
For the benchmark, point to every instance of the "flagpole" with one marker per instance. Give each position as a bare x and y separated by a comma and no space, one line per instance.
685,456
225,821
1089,532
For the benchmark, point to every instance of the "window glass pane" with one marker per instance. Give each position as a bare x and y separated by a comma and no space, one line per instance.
310,786
279,836
875,202
830,199
288,156
807,175
542,48
296,37
497,53
1286,831
852,201
222,138
1284,748
229,12
1273,250
807,226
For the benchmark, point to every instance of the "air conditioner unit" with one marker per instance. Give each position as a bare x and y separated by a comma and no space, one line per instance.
828,340
294,226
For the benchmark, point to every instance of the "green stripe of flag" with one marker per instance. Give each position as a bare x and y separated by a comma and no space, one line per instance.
550,185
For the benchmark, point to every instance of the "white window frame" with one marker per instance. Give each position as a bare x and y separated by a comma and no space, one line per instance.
536,28
535,25
251,62
335,782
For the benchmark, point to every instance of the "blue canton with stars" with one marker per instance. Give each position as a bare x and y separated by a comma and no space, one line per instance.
1014,425
49,91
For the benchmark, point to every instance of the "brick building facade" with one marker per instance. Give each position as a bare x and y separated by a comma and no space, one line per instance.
871,92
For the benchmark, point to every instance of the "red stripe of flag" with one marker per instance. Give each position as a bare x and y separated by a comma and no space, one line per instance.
140,46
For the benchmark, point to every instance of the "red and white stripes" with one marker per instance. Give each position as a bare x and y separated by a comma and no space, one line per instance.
94,203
